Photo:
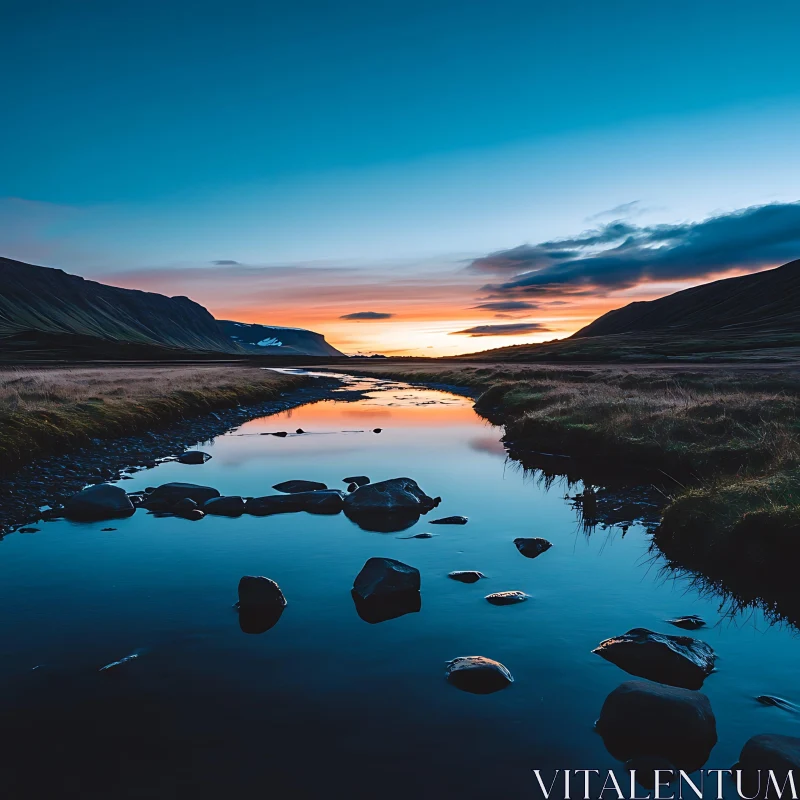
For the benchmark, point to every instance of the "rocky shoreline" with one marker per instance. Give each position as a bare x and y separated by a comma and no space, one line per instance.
48,482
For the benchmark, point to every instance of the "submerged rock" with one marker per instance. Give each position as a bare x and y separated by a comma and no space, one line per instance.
507,598
169,494
691,622
224,506
358,480
329,501
450,521
641,719
466,576
193,457
294,487
381,577
478,674
532,547
115,665
777,702
674,660
99,502
419,536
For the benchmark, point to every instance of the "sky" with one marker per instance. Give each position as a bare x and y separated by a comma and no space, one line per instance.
421,178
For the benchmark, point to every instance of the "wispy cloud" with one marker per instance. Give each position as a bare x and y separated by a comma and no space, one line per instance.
225,262
514,329
622,211
367,315
506,305
620,255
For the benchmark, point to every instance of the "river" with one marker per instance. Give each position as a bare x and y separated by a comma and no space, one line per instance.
324,703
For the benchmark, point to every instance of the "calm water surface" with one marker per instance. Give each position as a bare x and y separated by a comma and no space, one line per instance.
324,703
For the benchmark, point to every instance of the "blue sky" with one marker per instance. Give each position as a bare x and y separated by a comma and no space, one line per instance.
143,141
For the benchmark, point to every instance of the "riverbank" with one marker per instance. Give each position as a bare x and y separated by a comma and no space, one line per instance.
729,438
55,409
142,424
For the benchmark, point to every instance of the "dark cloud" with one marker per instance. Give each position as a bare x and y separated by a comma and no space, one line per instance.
367,315
620,255
225,262
507,305
514,329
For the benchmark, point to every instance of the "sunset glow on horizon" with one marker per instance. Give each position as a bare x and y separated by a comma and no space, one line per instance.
422,183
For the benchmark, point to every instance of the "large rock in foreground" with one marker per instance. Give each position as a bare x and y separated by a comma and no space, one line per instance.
674,660
97,503
329,501
644,719
478,674
768,751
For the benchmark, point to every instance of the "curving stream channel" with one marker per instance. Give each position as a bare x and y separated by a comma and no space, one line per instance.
324,703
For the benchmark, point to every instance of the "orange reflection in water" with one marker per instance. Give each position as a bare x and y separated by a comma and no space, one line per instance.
409,409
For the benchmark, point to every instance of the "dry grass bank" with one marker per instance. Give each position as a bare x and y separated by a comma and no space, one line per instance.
731,435
45,410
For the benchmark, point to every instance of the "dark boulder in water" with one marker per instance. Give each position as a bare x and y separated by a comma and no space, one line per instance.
224,506
641,719
507,598
380,577
450,521
294,487
193,457
419,536
329,501
386,589
391,505
261,603
169,494
691,622
674,660
478,675
258,592
768,751
358,480
466,576
532,547
100,502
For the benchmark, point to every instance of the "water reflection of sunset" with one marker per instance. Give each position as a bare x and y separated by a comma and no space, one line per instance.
326,416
